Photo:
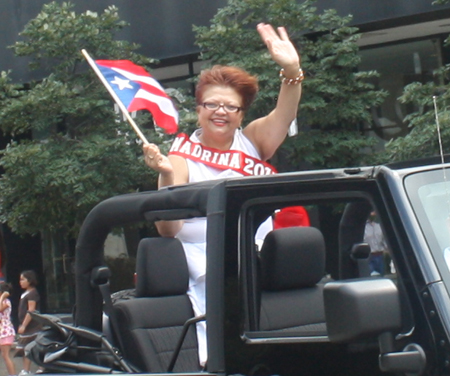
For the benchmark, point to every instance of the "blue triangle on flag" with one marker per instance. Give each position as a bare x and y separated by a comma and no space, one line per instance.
125,88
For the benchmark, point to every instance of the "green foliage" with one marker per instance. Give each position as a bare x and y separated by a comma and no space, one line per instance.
336,97
428,120
348,145
54,184
423,138
69,150
56,36
440,2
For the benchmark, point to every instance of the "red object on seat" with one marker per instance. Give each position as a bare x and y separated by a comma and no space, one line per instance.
291,216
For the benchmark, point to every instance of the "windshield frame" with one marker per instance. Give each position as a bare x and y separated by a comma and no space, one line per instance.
423,189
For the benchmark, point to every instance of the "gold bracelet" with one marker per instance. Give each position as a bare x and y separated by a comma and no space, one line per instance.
292,81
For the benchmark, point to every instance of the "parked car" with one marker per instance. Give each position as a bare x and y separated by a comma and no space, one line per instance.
302,304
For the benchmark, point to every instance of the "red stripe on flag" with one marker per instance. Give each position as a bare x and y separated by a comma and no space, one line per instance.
125,65
167,120
161,119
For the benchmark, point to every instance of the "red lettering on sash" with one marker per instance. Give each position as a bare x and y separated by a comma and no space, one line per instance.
224,160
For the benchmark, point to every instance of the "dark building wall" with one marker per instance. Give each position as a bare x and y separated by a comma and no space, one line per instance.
164,28
386,13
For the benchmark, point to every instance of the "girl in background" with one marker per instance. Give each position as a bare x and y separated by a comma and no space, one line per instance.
29,301
7,332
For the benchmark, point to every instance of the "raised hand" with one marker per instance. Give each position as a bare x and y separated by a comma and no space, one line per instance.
280,48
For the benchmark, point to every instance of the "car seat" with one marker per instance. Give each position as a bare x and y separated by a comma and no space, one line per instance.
292,268
152,323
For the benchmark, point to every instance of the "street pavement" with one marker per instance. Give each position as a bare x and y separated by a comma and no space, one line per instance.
17,362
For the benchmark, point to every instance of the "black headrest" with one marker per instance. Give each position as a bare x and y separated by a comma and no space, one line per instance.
161,268
292,257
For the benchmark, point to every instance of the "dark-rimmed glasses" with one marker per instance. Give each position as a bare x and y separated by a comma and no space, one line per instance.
215,106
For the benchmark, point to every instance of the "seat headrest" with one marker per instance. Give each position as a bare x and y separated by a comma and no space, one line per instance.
161,268
292,257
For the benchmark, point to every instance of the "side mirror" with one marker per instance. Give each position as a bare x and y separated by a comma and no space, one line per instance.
370,308
356,309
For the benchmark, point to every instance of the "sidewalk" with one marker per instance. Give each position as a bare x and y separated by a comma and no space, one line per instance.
17,362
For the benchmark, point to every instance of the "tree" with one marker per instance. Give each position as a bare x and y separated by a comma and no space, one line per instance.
431,101
69,150
336,97
423,138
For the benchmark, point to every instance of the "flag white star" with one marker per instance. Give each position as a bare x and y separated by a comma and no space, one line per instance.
121,83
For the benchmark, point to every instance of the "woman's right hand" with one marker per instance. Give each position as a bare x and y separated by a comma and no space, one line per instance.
156,160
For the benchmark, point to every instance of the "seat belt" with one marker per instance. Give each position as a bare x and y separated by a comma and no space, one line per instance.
100,278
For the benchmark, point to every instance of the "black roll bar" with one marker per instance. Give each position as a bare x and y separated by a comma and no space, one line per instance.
178,202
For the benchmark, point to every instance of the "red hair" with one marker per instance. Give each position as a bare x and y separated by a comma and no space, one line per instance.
245,84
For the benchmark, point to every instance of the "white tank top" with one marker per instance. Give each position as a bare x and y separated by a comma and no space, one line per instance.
194,229
193,234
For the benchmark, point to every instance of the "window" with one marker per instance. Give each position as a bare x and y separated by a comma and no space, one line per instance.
429,193
285,274
398,65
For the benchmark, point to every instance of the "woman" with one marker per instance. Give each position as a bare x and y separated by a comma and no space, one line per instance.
7,332
29,301
221,149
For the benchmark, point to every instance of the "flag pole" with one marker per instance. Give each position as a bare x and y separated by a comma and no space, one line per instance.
115,97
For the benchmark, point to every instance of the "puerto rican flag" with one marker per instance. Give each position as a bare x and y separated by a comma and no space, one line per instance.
138,90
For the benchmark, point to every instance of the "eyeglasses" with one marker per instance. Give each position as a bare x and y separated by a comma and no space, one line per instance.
215,106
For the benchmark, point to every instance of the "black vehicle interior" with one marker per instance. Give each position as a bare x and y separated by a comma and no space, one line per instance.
351,233
292,269
294,264
152,324
282,284
156,325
